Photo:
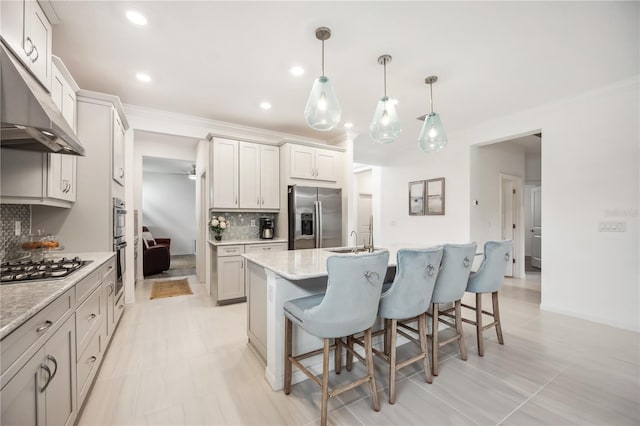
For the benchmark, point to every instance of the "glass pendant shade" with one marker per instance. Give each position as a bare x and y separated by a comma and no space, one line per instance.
385,126
323,110
432,137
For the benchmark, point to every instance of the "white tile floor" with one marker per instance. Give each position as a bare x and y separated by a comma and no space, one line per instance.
184,361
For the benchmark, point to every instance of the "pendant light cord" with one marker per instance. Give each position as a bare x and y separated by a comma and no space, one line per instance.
323,58
431,96
385,77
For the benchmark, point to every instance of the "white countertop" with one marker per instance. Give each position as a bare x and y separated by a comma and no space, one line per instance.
303,264
234,242
21,301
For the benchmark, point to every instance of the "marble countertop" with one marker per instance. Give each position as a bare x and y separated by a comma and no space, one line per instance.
303,264
21,301
234,242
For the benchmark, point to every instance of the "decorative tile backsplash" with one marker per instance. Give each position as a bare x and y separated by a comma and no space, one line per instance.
9,214
241,228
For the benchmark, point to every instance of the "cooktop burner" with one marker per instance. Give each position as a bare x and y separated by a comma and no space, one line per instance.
29,270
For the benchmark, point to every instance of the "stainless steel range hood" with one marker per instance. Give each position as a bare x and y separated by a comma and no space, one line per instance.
29,120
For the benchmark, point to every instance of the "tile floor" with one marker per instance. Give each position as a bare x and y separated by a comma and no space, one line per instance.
183,361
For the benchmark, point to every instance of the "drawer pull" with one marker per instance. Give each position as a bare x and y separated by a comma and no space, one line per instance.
120,306
44,327
92,316
91,360
110,287
55,365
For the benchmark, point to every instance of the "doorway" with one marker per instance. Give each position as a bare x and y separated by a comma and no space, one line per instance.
511,211
364,207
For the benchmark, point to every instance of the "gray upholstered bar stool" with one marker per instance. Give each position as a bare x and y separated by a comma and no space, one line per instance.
349,306
450,287
409,297
489,279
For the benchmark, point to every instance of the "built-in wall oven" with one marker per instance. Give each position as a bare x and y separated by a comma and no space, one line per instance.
119,243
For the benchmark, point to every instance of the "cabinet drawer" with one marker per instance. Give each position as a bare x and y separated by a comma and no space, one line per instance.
87,365
86,286
88,317
39,327
230,250
108,267
118,310
264,248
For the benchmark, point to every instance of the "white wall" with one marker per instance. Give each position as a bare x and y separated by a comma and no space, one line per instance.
169,209
486,165
590,173
533,167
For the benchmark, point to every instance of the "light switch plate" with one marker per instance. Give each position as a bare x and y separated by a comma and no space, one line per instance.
18,228
612,227
253,222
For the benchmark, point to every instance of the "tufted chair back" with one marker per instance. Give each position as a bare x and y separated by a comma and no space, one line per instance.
454,272
490,276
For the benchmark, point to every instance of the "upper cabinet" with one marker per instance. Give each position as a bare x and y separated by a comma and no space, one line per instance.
118,149
259,176
27,31
245,175
314,163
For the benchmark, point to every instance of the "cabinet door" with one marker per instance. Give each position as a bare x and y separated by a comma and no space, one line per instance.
22,401
39,30
230,277
69,107
302,162
60,357
61,177
225,174
269,177
327,165
12,22
109,285
249,175
118,149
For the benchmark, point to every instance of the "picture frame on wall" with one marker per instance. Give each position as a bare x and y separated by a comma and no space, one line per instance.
417,198
434,196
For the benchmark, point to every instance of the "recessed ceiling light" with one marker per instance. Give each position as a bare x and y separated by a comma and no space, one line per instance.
136,17
296,70
143,77
265,105
348,125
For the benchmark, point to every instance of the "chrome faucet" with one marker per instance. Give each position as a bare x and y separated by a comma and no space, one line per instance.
369,247
355,247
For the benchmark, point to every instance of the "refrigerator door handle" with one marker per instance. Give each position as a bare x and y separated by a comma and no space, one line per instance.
316,226
320,224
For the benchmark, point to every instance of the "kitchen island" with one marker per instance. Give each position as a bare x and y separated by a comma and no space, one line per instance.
271,280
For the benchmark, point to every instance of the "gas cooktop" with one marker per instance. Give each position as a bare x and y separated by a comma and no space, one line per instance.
29,270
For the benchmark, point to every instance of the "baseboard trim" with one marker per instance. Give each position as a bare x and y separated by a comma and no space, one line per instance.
592,318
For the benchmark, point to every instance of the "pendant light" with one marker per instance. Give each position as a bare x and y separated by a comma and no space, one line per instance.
322,111
385,126
432,137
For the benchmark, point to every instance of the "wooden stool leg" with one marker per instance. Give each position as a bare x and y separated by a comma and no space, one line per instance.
338,355
349,353
479,324
387,335
496,316
288,336
463,349
372,372
422,332
325,381
435,348
392,361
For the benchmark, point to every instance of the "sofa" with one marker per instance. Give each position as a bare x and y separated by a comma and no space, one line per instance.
156,253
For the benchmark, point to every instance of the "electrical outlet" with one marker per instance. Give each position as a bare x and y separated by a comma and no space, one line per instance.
253,222
18,229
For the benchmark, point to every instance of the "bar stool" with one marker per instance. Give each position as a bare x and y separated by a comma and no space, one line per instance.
349,306
450,287
409,297
489,279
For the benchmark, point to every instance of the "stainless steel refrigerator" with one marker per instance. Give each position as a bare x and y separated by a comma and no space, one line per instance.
315,217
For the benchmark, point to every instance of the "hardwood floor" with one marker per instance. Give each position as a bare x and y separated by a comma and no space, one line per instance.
183,360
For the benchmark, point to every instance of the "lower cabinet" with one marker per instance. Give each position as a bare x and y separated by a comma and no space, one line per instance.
43,391
228,270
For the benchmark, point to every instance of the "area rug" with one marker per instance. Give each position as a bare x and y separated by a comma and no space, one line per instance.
171,288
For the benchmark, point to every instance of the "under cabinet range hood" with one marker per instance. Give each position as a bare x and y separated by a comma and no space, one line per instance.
29,120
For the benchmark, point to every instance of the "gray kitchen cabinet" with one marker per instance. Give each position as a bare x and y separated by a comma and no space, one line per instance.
314,163
230,278
27,31
118,149
43,391
225,174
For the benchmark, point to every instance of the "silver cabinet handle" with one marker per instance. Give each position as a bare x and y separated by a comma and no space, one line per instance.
92,317
263,201
55,365
91,360
28,51
35,49
110,287
44,327
258,200
45,367
121,172
241,264
236,200
120,306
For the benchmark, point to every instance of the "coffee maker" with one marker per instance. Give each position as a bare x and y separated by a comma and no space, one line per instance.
266,228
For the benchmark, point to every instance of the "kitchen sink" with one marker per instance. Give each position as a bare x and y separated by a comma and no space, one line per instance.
349,250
